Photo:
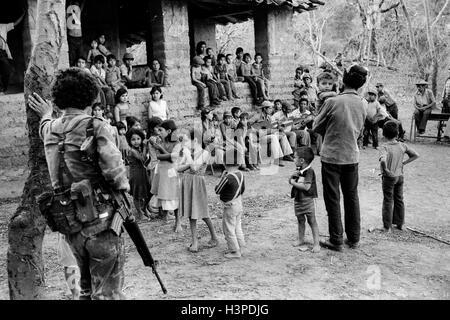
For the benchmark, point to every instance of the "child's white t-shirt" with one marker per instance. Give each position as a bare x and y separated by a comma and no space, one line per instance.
159,109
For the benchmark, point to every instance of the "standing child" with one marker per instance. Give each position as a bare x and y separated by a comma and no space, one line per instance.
299,85
259,77
165,185
391,161
93,52
139,186
374,114
304,191
158,106
152,138
193,195
230,189
122,108
123,143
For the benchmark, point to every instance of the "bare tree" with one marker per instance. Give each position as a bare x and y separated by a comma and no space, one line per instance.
413,41
27,226
316,27
371,15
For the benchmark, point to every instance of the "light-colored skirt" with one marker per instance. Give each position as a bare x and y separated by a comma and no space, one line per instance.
193,197
165,184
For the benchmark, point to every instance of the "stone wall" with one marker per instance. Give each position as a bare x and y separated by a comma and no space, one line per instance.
182,104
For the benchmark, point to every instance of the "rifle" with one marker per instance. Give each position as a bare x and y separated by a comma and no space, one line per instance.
122,205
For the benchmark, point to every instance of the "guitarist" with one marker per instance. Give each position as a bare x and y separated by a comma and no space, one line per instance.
281,117
279,144
302,118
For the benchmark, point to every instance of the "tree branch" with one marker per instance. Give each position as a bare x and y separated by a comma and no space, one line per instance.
390,8
439,14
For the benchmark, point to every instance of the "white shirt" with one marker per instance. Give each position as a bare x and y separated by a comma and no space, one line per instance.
4,29
156,109
99,73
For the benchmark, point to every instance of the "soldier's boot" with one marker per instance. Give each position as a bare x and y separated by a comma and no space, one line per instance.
72,276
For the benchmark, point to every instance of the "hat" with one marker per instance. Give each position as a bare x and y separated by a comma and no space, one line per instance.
422,83
265,104
198,60
227,114
206,110
372,90
128,56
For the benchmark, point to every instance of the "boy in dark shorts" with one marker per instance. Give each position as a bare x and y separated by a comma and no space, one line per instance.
304,191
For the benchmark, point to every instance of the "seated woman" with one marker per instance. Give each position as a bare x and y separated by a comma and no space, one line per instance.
155,77
424,102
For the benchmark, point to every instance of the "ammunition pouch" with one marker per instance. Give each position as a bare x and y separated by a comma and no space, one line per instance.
82,195
69,211
59,211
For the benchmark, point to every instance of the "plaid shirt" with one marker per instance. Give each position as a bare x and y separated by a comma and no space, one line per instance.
446,92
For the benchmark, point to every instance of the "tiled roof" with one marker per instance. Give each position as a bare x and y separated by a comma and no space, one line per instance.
298,5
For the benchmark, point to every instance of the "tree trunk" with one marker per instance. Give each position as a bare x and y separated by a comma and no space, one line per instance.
27,226
434,59
412,40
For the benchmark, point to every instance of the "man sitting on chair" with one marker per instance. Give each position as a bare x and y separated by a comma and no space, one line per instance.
424,102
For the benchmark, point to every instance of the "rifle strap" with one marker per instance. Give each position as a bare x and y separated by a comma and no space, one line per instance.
63,169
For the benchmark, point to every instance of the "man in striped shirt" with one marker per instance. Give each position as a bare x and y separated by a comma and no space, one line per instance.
230,189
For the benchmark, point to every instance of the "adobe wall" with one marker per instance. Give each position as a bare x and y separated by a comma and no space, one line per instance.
181,100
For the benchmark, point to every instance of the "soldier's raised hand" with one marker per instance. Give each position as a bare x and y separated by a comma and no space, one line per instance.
40,105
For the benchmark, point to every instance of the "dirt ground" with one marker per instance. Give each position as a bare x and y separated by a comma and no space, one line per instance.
409,266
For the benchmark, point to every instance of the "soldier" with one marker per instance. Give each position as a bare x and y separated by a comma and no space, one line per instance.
93,227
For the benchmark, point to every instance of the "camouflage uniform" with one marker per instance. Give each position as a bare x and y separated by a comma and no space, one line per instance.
98,249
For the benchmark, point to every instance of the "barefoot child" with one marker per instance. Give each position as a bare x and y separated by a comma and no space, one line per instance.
230,189
193,196
391,161
139,186
304,190
165,185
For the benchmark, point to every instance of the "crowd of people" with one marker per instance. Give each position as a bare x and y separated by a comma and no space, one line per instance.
167,164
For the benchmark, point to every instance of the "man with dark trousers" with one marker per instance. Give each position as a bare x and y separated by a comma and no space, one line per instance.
340,122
